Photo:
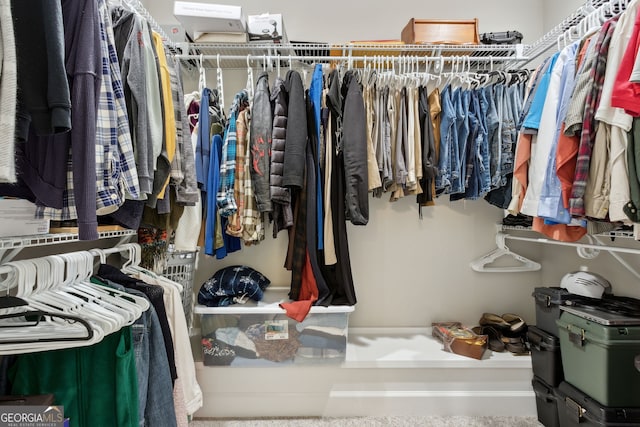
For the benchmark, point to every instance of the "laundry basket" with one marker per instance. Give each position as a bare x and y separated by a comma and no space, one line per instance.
181,266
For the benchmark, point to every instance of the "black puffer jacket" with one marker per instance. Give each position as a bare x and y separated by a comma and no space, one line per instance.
280,195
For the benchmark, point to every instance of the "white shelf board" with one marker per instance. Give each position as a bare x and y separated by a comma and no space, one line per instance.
416,348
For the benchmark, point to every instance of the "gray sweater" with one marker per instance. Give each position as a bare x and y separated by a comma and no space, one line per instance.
126,27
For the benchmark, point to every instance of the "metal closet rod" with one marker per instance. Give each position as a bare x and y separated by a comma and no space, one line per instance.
573,244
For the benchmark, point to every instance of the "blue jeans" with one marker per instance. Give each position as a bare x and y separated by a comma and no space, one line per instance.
483,146
476,134
495,136
448,135
459,162
155,388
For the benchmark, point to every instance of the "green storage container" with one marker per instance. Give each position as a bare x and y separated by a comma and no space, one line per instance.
601,360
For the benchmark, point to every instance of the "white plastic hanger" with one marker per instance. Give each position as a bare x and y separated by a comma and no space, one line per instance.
219,82
202,78
53,330
483,264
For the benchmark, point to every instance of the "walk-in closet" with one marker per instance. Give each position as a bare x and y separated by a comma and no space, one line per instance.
215,211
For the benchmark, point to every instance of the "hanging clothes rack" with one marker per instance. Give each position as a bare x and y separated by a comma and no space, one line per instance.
234,56
549,41
138,7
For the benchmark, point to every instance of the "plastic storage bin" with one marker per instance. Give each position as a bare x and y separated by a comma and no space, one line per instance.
601,360
545,356
576,408
546,403
548,301
262,335
181,266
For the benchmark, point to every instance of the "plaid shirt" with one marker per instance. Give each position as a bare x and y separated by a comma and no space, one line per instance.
252,220
234,226
225,197
116,175
587,138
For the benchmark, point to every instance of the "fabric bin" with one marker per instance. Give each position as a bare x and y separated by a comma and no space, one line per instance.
546,403
575,408
601,361
545,356
262,335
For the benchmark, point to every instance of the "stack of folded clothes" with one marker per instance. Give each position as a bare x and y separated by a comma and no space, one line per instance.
519,220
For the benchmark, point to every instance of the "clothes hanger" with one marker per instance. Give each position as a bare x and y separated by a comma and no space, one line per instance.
39,327
111,300
483,264
202,77
250,82
219,82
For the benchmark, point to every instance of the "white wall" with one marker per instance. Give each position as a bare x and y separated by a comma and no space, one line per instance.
555,11
410,272
336,21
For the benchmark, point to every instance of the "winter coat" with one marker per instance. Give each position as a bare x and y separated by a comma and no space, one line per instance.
296,138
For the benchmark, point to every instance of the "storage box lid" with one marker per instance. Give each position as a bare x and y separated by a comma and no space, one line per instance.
542,340
602,317
548,296
586,330
209,18
273,308
582,408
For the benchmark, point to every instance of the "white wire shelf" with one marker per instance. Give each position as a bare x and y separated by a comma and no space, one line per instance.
626,234
236,55
552,38
55,238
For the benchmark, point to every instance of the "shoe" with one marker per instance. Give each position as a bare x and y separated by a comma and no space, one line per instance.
516,323
516,345
494,337
490,319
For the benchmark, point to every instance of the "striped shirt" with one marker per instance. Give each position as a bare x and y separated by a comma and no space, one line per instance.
576,202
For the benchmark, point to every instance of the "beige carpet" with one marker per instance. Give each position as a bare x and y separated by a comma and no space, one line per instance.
374,422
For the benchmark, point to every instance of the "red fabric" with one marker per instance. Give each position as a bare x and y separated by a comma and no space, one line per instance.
626,94
298,310
567,152
521,167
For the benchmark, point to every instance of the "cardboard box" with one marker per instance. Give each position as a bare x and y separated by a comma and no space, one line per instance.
209,18
428,31
19,219
267,27
220,37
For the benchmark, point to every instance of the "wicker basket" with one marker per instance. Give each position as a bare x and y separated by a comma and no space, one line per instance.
180,268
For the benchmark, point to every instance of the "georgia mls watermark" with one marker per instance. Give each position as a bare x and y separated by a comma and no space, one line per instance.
31,416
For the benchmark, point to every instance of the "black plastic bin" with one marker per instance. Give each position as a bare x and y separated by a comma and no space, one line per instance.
548,301
576,408
546,403
545,356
